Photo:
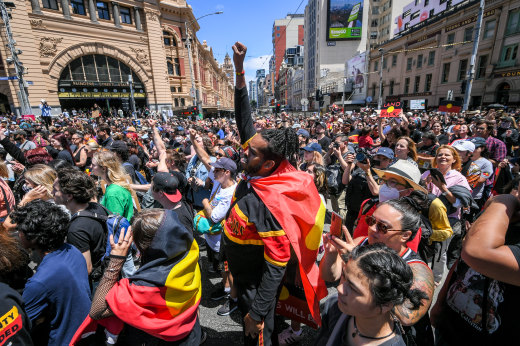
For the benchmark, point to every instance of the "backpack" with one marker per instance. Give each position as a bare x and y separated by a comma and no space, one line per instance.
334,175
140,177
112,225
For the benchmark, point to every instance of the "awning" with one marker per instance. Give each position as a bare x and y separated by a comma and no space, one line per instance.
350,102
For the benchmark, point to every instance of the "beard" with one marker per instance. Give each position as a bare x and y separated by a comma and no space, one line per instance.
251,169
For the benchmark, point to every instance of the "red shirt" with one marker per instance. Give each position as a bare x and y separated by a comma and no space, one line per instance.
365,141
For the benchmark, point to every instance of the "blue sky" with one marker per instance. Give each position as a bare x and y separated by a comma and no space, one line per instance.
247,21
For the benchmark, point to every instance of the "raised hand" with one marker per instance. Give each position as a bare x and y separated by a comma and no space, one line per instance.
239,54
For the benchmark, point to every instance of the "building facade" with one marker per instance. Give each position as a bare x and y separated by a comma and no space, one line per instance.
253,93
431,59
381,17
287,32
79,53
324,61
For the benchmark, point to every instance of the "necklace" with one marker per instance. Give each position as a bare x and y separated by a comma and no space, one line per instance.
357,332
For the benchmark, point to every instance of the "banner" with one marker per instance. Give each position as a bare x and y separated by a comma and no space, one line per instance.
344,20
450,106
391,110
418,104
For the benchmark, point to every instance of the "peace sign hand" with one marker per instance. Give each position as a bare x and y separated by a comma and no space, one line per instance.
123,245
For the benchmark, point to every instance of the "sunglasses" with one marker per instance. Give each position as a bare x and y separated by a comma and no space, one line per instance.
380,227
219,154
394,183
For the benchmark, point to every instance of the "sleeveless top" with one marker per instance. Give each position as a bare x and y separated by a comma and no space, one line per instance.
408,255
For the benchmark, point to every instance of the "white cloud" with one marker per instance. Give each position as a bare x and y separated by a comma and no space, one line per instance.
250,78
253,64
219,7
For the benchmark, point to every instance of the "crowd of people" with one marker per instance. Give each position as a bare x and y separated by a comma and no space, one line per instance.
104,219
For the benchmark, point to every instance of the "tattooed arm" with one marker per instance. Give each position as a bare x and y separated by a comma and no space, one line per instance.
422,280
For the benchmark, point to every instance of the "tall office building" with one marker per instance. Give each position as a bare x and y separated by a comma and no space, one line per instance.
381,15
253,96
287,32
334,34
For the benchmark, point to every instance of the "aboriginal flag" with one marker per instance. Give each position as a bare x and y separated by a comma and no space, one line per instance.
163,296
292,198
450,106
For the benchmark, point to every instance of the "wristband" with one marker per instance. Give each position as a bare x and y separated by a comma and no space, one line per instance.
117,257
240,73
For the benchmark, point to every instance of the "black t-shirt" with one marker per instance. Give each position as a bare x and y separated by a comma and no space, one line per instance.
185,215
15,326
325,143
183,182
88,234
65,155
462,319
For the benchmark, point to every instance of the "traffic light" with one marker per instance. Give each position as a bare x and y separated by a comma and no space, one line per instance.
463,86
194,110
277,108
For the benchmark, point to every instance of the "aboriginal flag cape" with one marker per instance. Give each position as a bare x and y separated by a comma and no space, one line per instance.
292,198
163,296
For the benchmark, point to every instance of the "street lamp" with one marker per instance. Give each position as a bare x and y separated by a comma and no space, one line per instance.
193,92
380,100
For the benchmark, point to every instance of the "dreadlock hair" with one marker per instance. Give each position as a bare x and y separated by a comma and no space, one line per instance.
282,144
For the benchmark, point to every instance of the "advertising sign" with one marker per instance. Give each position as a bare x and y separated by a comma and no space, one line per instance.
356,70
417,104
344,20
391,110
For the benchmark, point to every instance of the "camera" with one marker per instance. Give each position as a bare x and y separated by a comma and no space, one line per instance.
362,155
335,145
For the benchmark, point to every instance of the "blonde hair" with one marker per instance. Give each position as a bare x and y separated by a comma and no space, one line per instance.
456,165
43,175
115,171
4,171
317,158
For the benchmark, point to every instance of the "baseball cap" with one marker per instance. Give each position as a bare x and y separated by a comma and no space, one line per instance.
313,147
225,163
296,126
303,132
464,146
118,145
322,124
478,142
167,183
386,152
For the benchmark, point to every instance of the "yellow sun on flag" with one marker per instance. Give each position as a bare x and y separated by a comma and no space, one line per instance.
449,105
390,109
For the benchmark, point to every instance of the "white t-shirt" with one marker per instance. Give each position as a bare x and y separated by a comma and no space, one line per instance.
220,203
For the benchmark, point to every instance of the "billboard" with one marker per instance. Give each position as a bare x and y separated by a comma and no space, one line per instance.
418,104
344,20
356,71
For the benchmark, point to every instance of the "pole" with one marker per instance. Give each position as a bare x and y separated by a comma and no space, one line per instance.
471,71
188,45
343,97
25,106
380,100
132,99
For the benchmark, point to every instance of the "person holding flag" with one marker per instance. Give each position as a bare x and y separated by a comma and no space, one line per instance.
275,208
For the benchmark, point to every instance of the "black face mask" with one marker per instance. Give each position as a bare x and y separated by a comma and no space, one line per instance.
376,163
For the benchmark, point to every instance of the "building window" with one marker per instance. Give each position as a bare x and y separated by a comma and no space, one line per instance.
277,28
277,35
176,102
177,67
394,60
50,4
167,38
173,89
419,61
489,28
102,10
183,102
415,15
416,84
428,82
445,72
468,34
409,64
384,63
463,65
449,40
431,58
508,56
179,89
406,85
513,22
376,65
78,7
426,2
170,67
392,84
481,66
126,18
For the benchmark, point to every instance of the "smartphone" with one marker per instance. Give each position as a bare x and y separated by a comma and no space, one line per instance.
434,172
335,225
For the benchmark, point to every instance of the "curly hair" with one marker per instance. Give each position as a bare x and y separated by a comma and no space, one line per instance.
390,277
78,184
281,144
43,223
36,156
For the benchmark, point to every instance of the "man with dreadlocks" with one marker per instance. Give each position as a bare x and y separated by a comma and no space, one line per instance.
275,208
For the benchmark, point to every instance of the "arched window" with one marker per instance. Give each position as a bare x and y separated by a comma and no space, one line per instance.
169,39
170,66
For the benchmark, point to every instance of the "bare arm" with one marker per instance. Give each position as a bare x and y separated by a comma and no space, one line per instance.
422,280
161,148
380,129
207,208
201,153
373,186
345,178
484,247
86,254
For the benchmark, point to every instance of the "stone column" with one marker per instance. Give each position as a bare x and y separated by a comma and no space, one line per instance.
92,9
66,9
137,17
115,13
35,4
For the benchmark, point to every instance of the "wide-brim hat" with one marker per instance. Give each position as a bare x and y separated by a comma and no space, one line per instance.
405,170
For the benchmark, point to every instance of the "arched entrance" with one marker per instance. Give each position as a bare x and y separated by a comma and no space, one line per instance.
99,79
502,93
4,104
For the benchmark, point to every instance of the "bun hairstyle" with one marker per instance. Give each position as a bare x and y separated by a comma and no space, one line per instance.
390,277
410,210
281,144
